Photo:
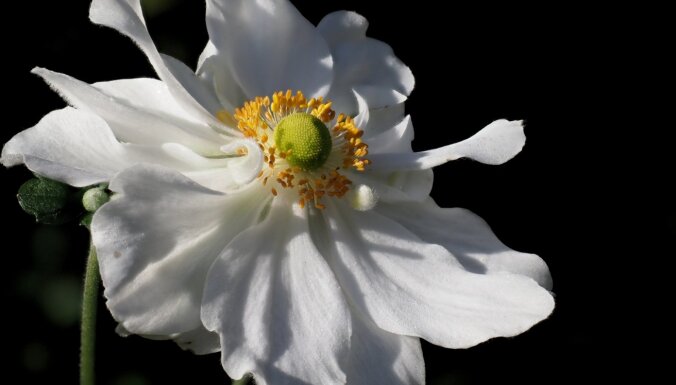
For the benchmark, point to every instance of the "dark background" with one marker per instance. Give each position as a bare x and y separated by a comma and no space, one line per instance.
576,195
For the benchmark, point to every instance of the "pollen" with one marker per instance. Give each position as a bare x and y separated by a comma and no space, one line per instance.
303,156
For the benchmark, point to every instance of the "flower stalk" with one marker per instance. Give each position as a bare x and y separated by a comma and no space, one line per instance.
90,296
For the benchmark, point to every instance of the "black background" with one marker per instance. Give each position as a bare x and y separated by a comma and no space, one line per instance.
576,195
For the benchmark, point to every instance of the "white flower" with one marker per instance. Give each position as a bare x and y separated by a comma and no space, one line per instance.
301,244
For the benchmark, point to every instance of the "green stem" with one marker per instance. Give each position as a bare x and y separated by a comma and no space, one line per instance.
90,296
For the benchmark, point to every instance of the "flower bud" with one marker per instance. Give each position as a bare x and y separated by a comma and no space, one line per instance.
94,198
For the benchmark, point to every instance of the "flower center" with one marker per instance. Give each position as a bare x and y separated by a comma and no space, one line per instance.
305,139
306,158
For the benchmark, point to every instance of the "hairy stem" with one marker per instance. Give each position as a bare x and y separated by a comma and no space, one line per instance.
90,297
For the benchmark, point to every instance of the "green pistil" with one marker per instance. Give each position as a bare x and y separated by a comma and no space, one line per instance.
305,139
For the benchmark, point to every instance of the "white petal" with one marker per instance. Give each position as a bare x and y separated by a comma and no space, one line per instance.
156,241
226,174
363,64
270,46
376,121
189,80
147,94
198,341
382,119
396,139
410,287
340,26
126,17
496,143
153,96
383,136
244,169
277,306
215,72
468,238
380,96
376,356
385,129
78,148
379,357
218,179
361,120
209,51
397,186
132,123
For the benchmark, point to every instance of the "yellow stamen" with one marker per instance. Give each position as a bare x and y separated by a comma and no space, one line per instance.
258,118
226,118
